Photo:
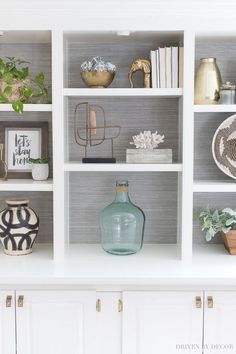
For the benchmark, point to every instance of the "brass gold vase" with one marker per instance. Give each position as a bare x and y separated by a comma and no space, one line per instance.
207,82
97,79
3,166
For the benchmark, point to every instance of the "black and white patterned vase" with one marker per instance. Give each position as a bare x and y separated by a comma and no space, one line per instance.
19,226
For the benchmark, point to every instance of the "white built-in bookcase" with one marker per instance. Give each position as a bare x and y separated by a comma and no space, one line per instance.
70,201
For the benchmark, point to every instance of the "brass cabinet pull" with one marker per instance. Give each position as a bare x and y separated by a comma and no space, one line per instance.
210,302
198,302
98,305
8,300
21,301
120,305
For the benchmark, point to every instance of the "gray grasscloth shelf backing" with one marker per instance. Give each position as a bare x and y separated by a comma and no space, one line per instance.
223,50
155,193
42,203
39,56
121,51
134,115
204,130
207,123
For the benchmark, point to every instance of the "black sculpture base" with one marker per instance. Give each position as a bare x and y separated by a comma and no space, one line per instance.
98,160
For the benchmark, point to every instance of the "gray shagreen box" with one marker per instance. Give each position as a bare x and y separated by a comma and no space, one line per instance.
149,156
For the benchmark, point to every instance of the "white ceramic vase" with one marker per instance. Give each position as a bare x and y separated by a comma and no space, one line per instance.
19,225
40,171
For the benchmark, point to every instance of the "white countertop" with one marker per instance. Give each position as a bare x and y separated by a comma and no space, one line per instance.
89,266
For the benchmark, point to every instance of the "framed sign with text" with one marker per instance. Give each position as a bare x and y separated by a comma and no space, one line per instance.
22,141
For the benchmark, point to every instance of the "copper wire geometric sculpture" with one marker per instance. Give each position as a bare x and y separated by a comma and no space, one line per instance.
91,129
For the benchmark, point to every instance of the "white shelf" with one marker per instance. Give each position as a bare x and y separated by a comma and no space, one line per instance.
215,108
122,167
88,265
216,261
214,186
32,268
26,185
28,108
154,264
142,92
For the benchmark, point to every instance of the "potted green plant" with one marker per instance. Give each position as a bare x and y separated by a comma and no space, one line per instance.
214,221
40,169
17,86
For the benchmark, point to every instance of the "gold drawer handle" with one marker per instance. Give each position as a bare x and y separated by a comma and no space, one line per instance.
210,302
8,301
98,305
198,302
120,305
21,301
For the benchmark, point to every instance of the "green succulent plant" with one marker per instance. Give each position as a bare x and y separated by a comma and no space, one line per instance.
39,160
214,221
17,86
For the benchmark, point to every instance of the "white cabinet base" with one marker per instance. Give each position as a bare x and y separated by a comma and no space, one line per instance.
162,322
58,322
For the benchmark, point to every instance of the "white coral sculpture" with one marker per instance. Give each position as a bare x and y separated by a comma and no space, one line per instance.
147,140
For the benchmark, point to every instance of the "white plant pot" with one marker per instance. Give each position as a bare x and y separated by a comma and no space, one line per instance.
40,171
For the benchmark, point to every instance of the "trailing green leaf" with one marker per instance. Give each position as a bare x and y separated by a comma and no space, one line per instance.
7,91
2,68
3,99
8,78
18,106
24,73
27,91
39,79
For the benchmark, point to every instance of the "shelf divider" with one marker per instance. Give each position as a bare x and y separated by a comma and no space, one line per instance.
27,108
215,108
148,92
214,186
122,167
186,183
26,185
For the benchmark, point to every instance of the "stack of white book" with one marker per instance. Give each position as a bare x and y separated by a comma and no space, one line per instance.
167,67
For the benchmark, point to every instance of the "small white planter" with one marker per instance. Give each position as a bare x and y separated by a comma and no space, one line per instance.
40,171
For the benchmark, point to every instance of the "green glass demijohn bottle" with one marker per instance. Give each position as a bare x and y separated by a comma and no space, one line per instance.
122,224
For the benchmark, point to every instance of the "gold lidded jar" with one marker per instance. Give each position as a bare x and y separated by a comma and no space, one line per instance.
227,93
3,165
207,82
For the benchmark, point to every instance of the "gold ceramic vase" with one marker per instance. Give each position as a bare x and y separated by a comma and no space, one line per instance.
207,82
3,166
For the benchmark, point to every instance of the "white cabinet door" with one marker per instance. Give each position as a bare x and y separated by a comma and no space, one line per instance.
7,323
109,322
220,322
162,322
56,322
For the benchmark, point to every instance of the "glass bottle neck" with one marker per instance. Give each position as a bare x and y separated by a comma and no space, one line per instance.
122,195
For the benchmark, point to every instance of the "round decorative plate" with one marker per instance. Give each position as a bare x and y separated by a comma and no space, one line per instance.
224,146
